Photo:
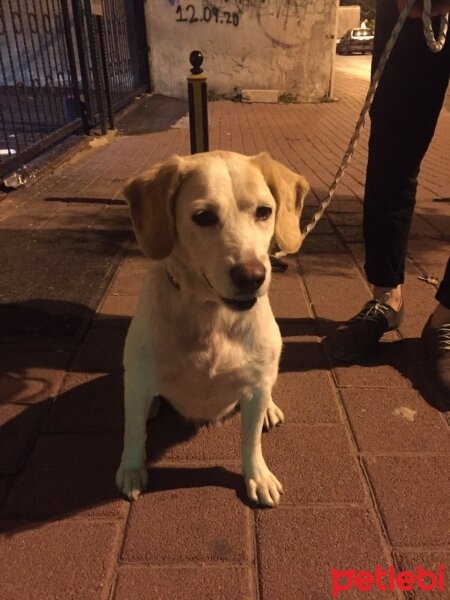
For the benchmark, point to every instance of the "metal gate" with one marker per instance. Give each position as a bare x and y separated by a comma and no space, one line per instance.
66,65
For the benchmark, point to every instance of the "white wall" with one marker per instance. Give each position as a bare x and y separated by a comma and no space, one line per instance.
287,45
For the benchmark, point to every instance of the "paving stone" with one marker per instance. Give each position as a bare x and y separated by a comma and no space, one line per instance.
26,392
79,217
287,281
68,475
351,234
323,244
185,583
118,306
303,324
334,283
412,494
306,397
202,506
129,278
66,559
102,350
88,402
321,468
171,437
20,426
298,547
419,301
401,422
354,218
302,354
421,228
392,366
429,561
31,376
288,305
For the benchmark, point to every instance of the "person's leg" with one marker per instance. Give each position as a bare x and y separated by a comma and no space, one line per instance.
443,293
403,119
436,339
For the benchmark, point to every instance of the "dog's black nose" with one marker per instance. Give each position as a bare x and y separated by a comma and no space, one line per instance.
248,276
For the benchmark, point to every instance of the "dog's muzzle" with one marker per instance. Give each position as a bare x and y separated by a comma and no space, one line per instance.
239,304
247,277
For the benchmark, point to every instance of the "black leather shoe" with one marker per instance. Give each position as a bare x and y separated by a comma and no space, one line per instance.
357,338
436,346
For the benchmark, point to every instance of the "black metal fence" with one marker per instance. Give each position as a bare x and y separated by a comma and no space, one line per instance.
65,65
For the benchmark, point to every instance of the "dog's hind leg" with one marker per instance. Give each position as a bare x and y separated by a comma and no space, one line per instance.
273,416
262,485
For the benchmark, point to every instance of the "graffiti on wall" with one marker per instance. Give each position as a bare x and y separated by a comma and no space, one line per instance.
207,14
281,20
279,9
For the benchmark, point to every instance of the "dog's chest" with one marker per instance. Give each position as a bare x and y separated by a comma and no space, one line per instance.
204,375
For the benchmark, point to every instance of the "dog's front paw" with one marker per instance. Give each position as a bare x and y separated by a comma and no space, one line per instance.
273,416
131,481
263,487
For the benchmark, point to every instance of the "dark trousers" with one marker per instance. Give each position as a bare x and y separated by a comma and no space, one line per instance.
403,119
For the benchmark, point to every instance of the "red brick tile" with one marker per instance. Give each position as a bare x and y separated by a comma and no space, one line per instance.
351,234
26,392
392,366
70,560
190,514
385,422
419,301
287,281
412,493
170,437
29,377
306,397
345,218
102,350
129,278
68,474
185,583
302,354
20,426
323,244
288,305
88,403
334,283
118,306
430,561
321,468
298,547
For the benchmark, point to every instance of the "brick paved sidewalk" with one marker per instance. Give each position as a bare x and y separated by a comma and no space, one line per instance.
364,456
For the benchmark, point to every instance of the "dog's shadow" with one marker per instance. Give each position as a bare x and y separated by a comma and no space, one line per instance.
60,459
59,456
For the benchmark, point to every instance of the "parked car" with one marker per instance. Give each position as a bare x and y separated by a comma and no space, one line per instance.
356,40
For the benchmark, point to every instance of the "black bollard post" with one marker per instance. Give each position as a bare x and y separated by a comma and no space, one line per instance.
198,104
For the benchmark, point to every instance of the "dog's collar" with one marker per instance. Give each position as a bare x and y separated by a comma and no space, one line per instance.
172,280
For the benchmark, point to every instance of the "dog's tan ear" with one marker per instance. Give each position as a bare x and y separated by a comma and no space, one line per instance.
289,190
151,198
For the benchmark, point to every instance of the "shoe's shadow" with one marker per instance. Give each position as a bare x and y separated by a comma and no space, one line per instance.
404,357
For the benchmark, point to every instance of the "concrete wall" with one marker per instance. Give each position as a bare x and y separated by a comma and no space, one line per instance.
349,17
287,45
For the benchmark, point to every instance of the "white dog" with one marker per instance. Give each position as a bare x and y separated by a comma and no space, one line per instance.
204,335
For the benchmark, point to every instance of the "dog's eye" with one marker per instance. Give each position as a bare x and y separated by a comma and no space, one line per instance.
263,213
205,218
